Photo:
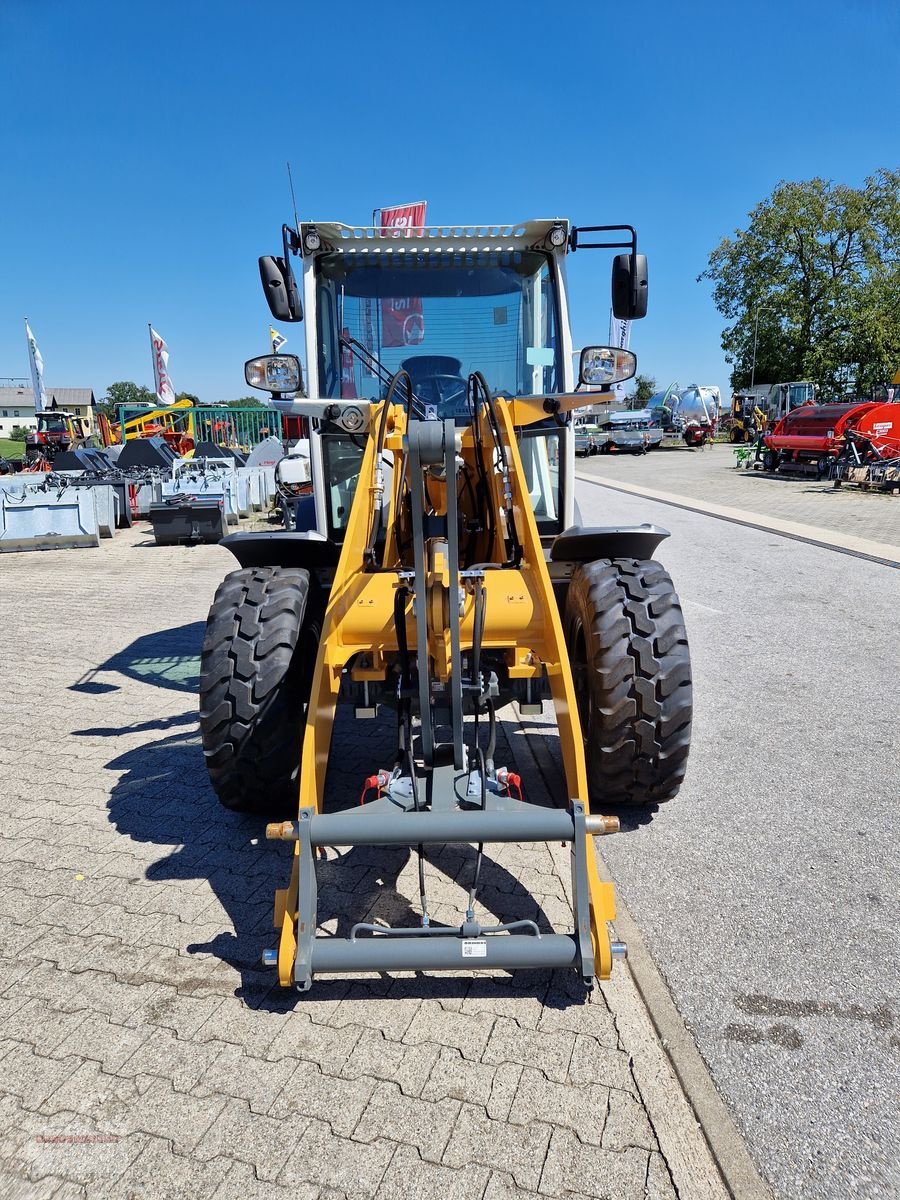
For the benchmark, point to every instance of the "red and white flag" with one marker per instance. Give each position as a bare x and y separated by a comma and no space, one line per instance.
402,319
348,382
165,393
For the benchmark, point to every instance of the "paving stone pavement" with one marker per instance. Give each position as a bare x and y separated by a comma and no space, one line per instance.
143,1051
708,475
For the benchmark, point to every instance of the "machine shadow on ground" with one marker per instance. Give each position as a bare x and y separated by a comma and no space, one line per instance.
163,797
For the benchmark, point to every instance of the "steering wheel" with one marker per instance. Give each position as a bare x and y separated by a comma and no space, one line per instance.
443,390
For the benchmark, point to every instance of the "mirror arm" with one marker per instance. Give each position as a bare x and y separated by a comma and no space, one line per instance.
576,244
290,241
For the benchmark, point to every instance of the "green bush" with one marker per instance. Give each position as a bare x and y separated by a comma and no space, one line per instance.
18,434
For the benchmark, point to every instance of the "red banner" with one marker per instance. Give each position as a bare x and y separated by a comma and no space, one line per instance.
348,382
402,320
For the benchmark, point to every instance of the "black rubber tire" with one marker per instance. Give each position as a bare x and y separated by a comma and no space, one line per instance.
630,658
255,676
771,460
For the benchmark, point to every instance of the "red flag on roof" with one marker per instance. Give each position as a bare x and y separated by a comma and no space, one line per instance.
402,320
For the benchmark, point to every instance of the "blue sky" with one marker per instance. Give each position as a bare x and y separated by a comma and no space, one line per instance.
144,150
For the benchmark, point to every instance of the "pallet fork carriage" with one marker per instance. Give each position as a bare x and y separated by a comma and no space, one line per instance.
444,597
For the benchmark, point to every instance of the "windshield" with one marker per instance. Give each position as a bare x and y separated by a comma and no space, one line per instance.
53,423
439,316
800,394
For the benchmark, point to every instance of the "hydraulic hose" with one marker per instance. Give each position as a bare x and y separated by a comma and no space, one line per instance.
369,552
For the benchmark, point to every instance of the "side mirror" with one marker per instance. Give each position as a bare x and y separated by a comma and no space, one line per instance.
278,373
602,366
629,287
280,288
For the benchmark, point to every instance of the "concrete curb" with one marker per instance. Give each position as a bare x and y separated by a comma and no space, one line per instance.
844,543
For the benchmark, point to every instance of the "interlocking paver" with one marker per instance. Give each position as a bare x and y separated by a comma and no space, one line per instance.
410,1178
469,1033
459,1078
241,1183
583,1110
516,1149
627,1124
424,1124
411,1067
340,1102
34,1078
262,1143
549,1052
592,1061
231,1072
356,1168
162,1175
572,1166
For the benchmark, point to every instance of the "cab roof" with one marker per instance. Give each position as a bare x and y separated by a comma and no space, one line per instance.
368,239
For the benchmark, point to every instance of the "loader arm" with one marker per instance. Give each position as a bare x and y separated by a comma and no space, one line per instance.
418,600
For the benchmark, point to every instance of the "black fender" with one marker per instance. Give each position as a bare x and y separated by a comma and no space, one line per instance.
580,544
283,548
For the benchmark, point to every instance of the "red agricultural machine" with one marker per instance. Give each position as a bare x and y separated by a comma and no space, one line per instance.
821,434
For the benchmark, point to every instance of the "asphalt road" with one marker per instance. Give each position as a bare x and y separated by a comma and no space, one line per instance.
767,891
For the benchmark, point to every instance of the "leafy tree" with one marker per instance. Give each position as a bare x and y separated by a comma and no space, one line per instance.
187,396
18,433
645,386
246,402
124,392
815,279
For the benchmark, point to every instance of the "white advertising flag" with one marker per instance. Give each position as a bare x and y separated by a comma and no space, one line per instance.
37,371
164,391
619,332
619,336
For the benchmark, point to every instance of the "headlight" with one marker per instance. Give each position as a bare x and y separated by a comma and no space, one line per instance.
274,373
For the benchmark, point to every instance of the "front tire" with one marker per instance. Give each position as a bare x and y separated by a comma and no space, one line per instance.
255,676
631,663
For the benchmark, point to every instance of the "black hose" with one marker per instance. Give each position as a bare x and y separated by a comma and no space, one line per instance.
369,552
479,383
473,890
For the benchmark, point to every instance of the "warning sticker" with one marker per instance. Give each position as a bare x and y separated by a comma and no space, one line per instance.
474,948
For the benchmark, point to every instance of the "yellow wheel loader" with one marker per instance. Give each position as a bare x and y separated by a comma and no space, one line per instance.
444,574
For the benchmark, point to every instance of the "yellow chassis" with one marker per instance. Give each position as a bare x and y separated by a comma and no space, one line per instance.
521,619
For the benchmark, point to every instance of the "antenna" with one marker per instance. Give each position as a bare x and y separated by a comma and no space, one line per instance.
293,199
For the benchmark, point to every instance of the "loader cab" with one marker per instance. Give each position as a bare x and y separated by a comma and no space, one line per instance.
440,303
438,313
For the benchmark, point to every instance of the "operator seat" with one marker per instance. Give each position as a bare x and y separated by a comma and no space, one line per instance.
437,379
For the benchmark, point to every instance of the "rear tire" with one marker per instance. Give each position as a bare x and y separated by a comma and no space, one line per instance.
255,677
630,659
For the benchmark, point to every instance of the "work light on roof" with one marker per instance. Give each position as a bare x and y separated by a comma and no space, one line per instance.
557,236
311,239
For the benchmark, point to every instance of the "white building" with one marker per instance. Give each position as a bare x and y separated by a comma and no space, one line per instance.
17,406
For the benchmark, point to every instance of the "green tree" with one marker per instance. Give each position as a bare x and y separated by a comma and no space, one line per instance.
645,386
814,280
187,396
246,402
124,392
18,433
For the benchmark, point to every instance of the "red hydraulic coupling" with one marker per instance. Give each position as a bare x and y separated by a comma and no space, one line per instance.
374,782
509,780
